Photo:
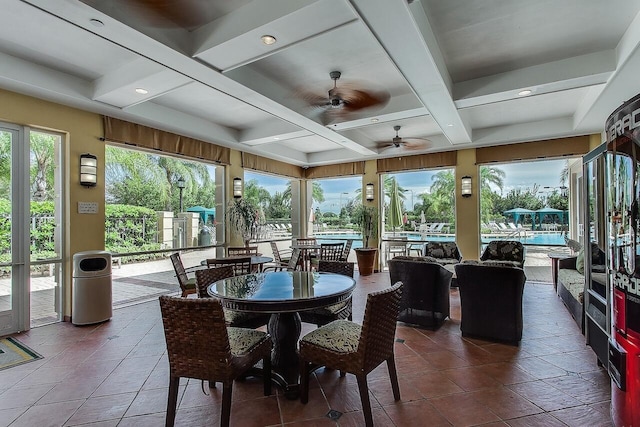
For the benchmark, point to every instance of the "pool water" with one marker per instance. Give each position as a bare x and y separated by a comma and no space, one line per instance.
543,239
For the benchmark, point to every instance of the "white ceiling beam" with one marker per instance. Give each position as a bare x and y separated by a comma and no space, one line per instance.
271,131
234,40
622,85
570,73
329,157
43,82
405,33
118,88
80,14
530,131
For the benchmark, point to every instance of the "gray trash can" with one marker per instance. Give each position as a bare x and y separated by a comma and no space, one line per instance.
91,299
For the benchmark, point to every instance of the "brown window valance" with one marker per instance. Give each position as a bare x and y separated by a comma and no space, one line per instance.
421,161
117,130
330,171
258,163
572,146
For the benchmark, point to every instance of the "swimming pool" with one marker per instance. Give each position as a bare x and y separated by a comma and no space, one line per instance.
542,239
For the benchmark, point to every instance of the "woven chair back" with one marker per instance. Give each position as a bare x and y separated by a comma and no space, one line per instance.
379,326
196,336
294,260
331,251
178,267
338,267
211,275
306,241
347,249
242,250
276,253
241,265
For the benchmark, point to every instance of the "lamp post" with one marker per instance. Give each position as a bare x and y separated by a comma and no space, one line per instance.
340,209
412,205
180,185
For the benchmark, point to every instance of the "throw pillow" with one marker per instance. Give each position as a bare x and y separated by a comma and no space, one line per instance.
580,262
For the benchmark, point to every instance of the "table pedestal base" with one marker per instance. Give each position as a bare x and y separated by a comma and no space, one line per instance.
285,329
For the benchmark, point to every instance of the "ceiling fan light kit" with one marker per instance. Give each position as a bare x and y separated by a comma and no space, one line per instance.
404,143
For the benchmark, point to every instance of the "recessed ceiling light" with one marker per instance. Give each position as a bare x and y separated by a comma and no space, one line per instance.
268,40
374,120
96,23
449,125
277,138
525,92
142,91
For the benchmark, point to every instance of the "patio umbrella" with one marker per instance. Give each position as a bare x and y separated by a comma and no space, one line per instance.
395,208
423,219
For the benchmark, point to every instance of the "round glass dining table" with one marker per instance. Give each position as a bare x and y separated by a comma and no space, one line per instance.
283,294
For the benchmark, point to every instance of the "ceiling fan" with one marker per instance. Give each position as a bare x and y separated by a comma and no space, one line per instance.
188,14
404,143
343,101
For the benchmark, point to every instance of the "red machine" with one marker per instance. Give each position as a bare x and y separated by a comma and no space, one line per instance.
623,175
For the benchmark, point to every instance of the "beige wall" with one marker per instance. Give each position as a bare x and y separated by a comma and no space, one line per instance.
468,208
82,131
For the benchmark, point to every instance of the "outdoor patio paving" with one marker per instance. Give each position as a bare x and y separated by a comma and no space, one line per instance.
137,282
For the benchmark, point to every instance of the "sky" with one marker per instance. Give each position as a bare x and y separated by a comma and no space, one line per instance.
523,175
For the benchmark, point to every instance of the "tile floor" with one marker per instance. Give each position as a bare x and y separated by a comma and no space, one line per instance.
115,374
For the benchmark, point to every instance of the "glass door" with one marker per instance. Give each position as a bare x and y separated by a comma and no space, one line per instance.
45,226
14,243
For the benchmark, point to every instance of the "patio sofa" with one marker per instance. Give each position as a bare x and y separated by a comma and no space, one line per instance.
571,281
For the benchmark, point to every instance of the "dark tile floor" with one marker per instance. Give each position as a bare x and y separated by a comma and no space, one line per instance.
115,374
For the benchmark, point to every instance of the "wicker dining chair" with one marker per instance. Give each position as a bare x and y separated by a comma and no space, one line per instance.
242,250
341,310
278,258
241,265
328,252
240,319
187,285
356,349
346,250
292,265
201,346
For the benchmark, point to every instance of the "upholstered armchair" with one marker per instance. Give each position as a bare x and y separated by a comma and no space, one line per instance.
510,251
491,299
444,252
425,299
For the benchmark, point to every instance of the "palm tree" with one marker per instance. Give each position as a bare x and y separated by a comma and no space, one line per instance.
444,183
492,175
317,193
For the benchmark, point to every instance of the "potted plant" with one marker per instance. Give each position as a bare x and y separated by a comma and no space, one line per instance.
244,218
366,256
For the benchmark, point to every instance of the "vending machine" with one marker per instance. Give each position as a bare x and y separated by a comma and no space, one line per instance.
622,198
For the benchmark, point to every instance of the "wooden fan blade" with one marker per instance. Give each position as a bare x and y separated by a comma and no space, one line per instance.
355,99
189,14
314,100
415,143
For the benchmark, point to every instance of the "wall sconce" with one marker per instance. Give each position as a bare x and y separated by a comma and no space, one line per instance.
88,170
466,186
237,188
368,192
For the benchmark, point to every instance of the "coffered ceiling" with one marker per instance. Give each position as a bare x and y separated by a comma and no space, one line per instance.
450,72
